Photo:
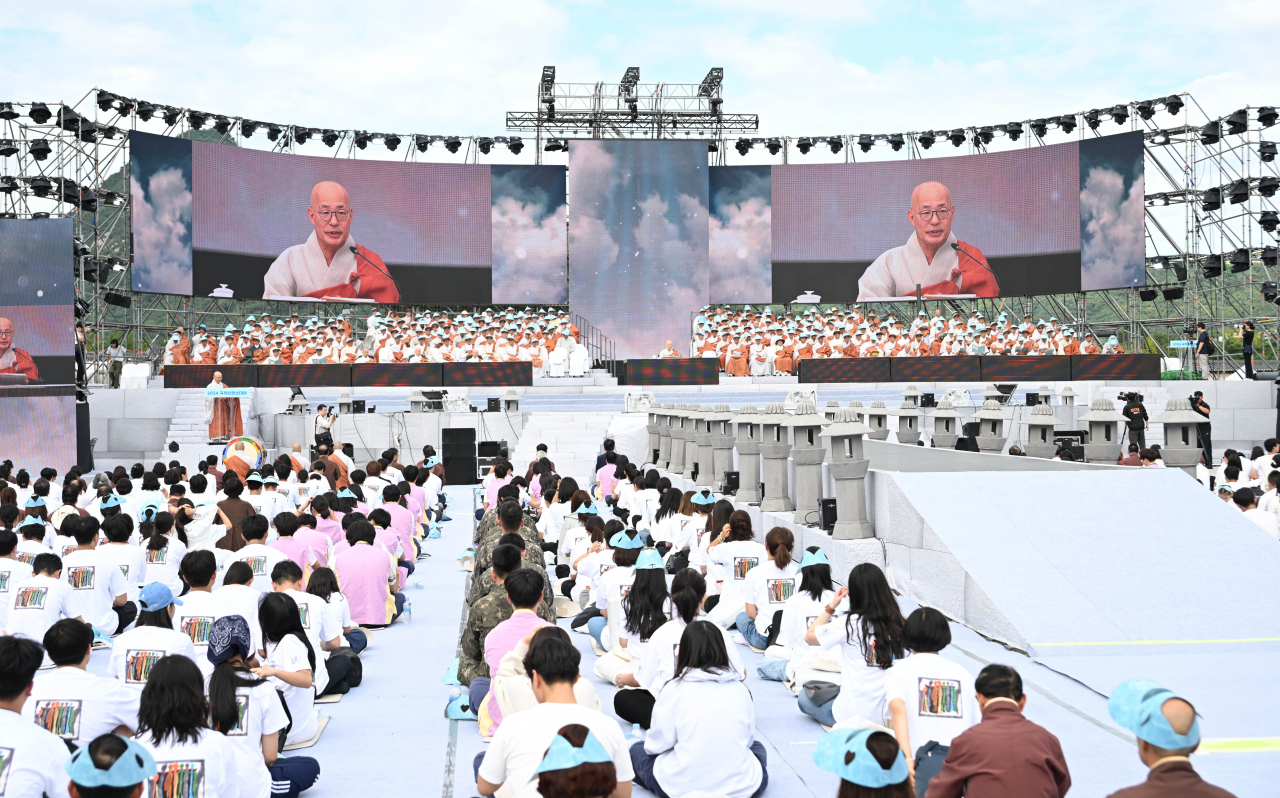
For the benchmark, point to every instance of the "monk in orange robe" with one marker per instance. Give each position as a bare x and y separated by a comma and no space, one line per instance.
783,358
222,414
736,364
236,462
12,359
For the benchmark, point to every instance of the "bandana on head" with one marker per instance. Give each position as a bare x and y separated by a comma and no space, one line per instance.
228,636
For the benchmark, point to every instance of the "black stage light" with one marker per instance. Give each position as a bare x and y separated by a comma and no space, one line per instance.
1269,221
421,142
391,141
8,184
1013,130
1159,138
711,147
39,149
1040,127
1240,261
774,146
1162,262
40,113
1146,109
1269,256
1211,266
1119,114
88,131
1180,270
329,137
40,215
926,139
273,131
119,300
1267,151
634,109
836,144
248,127
551,109
896,141
804,145
1269,292
89,270
196,119
515,145
110,198
453,143
1211,133
1237,122
222,125
1173,104
78,248
1267,186
957,137
1267,116
1171,294
1211,200
109,132
1066,123
7,112
1238,192
68,120
986,134
1148,294
125,106
1093,119
146,110
485,144
865,142
172,115
362,138
301,134
743,146
105,100
8,147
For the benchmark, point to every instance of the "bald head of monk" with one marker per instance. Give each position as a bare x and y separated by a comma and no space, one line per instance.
6,335
330,214
1180,715
931,214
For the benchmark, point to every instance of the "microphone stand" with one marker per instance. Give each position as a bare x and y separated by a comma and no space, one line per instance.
957,248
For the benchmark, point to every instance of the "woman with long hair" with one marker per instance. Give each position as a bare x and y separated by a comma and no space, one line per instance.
173,725
711,749
324,583
613,582
290,665
798,662
646,607
715,515
767,588
734,552
248,711
869,639
668,524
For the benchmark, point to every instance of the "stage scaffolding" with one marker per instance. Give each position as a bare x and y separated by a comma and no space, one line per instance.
1209,197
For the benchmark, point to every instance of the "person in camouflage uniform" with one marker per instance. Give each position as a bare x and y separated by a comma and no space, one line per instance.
511,519
485,614
483,584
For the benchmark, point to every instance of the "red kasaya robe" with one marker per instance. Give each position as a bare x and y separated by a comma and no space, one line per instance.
22,364
375,279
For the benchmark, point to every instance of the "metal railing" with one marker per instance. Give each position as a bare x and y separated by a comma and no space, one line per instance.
601,348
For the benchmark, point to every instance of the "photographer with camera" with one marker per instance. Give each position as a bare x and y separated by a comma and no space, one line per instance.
1136,417
324,425
1203,429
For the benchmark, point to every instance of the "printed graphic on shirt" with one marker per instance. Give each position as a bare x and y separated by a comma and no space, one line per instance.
624,590
242,707
157,556
605,568
124,569
81,577
6,761
304,612
197,626
181,779
68,549
743,564
25,557
940,698
4,581
780,590
138,663
30,598
59,716
257,564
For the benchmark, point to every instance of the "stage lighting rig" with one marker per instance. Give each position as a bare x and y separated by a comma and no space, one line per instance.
68,120
40,186
836,144
1146,109
1170,294
453,143
1237,122
1119,114
8,147
1240,261
986,134
1211,266
222,125
1158,138
555,145
956,137
1093,119
485,144
196,119
743,146
109,132
1148,294
421,142
1065,123
774,146
39,149
1269,221
1267,151
1040,127
1267,186
105,100
7,112
301,134
865,142
1211,133
125,106
896,141
40,113
1158,200
926,139
1173,104
172,115
1211,200
146,110
362,138
329,137
804,144
1013,130
1269,292
1238,192
1267,116
248,127
515,145
1269,256
391,141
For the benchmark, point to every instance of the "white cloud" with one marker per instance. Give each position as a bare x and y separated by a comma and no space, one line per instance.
740,254
528,256
162,234
1112,246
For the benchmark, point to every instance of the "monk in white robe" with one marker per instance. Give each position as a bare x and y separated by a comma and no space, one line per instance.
222,414
928,259
325,265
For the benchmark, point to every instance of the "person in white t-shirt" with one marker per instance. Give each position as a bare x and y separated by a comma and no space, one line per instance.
173,724
163,552
12,571
31,541
98,589
790,659
36,756
200,607
110,765
1247,501
135,652
291,665
869,639
519,745
614,582
735,551
130,559
72,703
767,588
321,624
37,603
240,596
249,712
931,698
260,557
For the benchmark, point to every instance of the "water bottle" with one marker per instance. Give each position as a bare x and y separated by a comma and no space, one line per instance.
637,733
417,585
407,615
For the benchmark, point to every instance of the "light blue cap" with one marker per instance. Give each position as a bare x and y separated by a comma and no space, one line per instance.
111,500
151,508
650,559
35,501
863,769
621,541
156,596
818,557
588,509
132,767
432,461
31,520
1136,706
704,498
346,493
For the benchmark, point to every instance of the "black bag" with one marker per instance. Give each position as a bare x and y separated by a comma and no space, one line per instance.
356,674
284,733
820,692
929,759
775,628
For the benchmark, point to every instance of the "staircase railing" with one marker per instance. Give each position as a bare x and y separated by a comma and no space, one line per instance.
601,348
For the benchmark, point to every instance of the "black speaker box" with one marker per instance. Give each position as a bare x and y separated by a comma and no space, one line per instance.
458,442
731,481
494,405
460,470
489,448
827,514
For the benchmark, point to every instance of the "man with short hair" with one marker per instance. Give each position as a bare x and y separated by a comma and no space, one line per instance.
540,453
14,360
485,614
1247,501
1134,458
98,588
1005,755
261,558
600,458
1204,348
200,607
1168,733
36,757
72,703
36,603
524,588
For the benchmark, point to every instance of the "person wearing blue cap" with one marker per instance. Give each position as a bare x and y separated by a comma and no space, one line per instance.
134,652
869,763
576,766
791,658
614,582
35,757
110,766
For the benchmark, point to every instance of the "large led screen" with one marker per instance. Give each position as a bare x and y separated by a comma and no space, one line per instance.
638,237
33,445
740,225
530,250
37,295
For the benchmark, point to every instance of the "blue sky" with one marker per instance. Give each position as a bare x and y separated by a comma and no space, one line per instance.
819,68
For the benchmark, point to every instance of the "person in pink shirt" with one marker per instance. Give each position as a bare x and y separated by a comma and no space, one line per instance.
524,591
607,476
367,574
389,538
328,522
292,547
402,520
501,476
308,537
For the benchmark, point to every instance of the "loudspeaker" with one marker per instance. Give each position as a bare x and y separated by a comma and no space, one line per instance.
928,400
695,472
494,405
966,443
358,406
84,445
971,428
119,300
460,470
827,514
1033,399
458,442
731,482
489,449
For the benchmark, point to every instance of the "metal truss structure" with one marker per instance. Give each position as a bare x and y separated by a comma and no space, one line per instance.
1212,223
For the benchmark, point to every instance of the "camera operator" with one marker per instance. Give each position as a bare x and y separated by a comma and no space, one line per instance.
1136,418
324,426
1203,429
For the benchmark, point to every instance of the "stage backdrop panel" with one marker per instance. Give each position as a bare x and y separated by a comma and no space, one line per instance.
240,375
35,446
638,239
935,369
429,223
160,213
845,369
1019,368
530,240
739,257
1112,212
1115,367
318,375
460,375
673,371
37,295
417,375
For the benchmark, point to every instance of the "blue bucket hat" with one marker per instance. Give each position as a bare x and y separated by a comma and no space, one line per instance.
703,498
1136,706
621,541
818,557
650,559
863,770
132,767
563,755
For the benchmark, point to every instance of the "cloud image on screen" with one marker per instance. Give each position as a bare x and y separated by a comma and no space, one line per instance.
530,242
160,205
1112,213
638,237
740,254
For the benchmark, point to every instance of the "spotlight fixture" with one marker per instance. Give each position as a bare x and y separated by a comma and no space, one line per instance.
125,106
8,147
1158,200
1065,123
957,137
78,248
273,131
222,125
89,270
634,108
1238,192
116,264
1267,186
196,119
453,143
836,144
1146,109
40,186
1040,127
1162,262
896,141
1093,119
40,113
515,145
1211,266
1269,292
7,112
1013,130
986,134
1119,114
391,141
68,120
109,132
1148,294
1269,221
1267,116
248,127
1173,104
485,144
105,100
551,108
39,149
743,146
1267,151
1211,133
110,198
146,110
865,142
421,142
1171,294
8,184
1159,138
172,115
329,137
1180,270
1269,256
555,145
1237,122
774,146
88,131
1240,261
804,145
362,138
1211,200
711,147
302,134
926,139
